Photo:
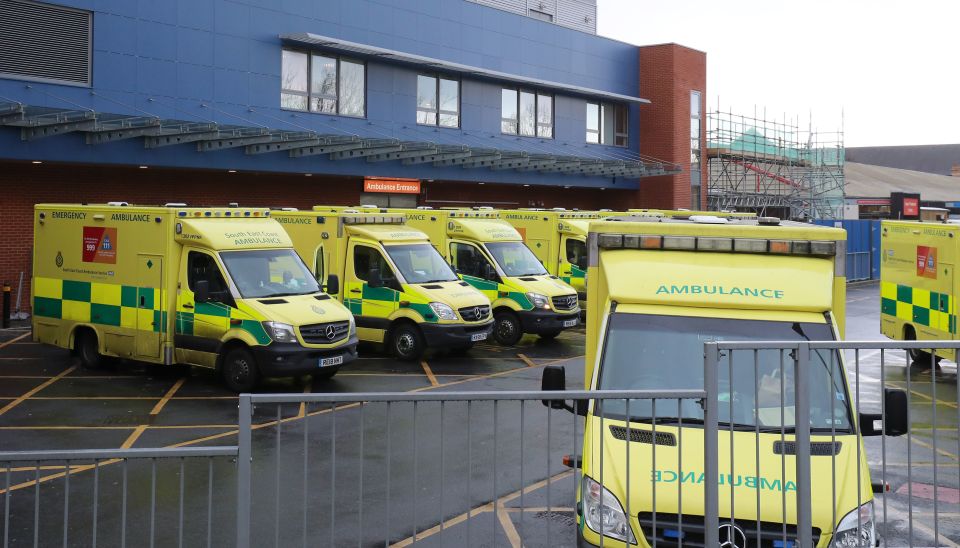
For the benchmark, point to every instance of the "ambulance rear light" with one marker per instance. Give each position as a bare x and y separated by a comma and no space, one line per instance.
118,204
703,243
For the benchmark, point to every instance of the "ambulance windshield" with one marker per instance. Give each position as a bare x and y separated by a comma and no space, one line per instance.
515,259
648,352
420,263
269,273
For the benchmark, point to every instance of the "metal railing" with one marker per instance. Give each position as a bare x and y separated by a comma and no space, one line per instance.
112,497
775,448
888,392
393,469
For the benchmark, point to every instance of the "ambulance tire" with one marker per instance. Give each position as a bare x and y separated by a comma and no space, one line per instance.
506,328
88,350
550,335
917,356
406,342
240,371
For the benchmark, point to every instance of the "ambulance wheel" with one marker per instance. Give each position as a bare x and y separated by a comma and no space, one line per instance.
88,350
550,335
917,356
506,328
240,371
406,342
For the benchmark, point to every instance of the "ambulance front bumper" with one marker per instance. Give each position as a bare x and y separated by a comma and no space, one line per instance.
291,359
447,335
544,321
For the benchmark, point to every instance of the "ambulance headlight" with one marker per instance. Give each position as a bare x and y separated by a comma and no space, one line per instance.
280,332
856,529
353,326
443,311
602,511
538,300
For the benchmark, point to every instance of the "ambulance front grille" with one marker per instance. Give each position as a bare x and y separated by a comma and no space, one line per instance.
672,531
474,313
643,436
817,448
325,333
565,302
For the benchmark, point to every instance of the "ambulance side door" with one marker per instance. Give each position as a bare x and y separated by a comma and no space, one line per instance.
200,326
573,262
371,303
475,268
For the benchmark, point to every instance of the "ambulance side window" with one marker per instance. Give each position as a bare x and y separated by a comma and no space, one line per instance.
201,266
366,259
469,260
577,253
319,269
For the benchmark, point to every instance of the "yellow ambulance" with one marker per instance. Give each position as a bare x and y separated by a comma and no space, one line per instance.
220,288
918,288
559,239
490,255
660,288
401,291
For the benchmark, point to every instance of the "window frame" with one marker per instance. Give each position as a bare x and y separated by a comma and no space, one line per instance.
310,95
438,112
601,130
519,91
696,150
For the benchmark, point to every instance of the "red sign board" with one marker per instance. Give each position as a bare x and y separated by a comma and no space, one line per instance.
911,207
99,244
392,186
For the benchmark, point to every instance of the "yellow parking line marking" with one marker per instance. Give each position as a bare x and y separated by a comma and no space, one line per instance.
303,405
899,384
33,468
13,340
947,454
26,396
429,373
526,360
166,397
536,509
512,535
133,437
66,427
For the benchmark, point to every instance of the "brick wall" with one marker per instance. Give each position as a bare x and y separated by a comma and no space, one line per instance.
22,185
668,73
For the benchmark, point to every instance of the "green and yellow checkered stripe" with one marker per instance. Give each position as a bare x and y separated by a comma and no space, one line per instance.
919,306
575,274
221,318
99,303
494,291
370,295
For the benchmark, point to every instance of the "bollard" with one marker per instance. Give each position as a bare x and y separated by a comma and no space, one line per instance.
6,305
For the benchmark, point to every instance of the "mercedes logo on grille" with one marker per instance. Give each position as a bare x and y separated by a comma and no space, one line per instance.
478,312
732,536
330,332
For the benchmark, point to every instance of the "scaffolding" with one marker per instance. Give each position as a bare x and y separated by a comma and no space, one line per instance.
773,167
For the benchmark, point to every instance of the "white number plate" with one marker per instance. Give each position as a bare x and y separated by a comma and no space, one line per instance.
327,362
478,337
570,323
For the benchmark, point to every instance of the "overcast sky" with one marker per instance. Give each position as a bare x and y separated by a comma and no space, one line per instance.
889,69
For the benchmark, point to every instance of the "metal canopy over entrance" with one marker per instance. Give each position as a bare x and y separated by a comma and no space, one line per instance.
102,128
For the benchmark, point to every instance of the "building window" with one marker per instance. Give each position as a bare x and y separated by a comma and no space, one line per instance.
543,16
526,113
321,83
695,149
438,101
608,124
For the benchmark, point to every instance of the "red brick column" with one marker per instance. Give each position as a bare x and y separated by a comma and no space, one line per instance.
668,73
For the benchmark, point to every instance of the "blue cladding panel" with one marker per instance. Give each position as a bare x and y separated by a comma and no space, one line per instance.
169,58
863,247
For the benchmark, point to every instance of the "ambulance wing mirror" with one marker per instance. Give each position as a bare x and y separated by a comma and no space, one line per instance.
897,419
201,291
554,379
333,285
489,272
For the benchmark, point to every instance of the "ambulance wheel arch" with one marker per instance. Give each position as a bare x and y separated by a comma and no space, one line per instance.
85,342
237,366
405,340
917,356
